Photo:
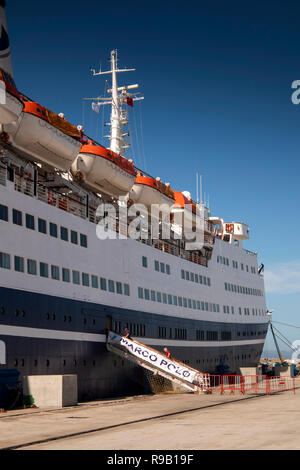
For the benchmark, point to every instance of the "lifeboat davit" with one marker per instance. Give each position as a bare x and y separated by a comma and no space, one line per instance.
45,136
148,191
103,170
11,104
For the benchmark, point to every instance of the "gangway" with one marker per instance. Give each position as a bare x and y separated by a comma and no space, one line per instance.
153,360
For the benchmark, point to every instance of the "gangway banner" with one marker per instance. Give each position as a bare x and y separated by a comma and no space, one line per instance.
156,359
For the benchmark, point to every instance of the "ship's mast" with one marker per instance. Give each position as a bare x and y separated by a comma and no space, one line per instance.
119,98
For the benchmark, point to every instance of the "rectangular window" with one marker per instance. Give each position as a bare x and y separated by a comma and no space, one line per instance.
83,240
4,260
158,296
196,278
43,269
187,275
162,267
53,230
208,281
184,302
206,306
194,304
64,234
30,222
76,277
156,265
192,277
31,266
144,262
174,299
85,279
95,283
140,293
182,274
119,288
42,226
204,280
19,264
74,237
146,294
189,303
180,301
153,296
65,275
17,217
4,213
55,272
126,289
168,271
200,279
103,283
198,305
111,285
202,306
169,299
164,298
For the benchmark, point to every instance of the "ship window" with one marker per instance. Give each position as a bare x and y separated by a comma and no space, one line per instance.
126,289
119,288
200,279
194,304
95,281
187,275
182,274
65,275
30,222
164,298
168,269
4,260
192,277
17,217
31,266
189,303
162,267
102,283
180,301
174,299
43,269
55,272
19,264
158,296
85,279
83,240
140,293
198,305
76,277
184,302
208,281
153,297
204,280
4,213
146,294
144,262
42,227
53,230
169,299
196,278
64,235
156,265
74,237
111,286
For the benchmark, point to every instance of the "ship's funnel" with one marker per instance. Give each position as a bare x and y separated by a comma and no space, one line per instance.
5,57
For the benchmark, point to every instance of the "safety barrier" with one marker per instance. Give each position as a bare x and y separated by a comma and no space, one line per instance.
250,384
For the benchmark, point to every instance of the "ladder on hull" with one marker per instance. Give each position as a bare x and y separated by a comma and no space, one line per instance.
153,360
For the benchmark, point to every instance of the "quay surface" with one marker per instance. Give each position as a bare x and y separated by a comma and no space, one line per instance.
168,421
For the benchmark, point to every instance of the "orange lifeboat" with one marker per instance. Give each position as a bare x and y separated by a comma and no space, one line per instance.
147,190
11,104
45,136
103,170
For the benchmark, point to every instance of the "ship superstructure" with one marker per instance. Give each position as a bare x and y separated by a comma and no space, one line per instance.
63,284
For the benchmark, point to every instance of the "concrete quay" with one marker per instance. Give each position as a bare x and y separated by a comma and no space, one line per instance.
168,421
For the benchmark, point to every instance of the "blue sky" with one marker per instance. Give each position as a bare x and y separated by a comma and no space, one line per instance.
217,84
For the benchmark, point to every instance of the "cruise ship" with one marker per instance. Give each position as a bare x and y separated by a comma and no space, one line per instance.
65,279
